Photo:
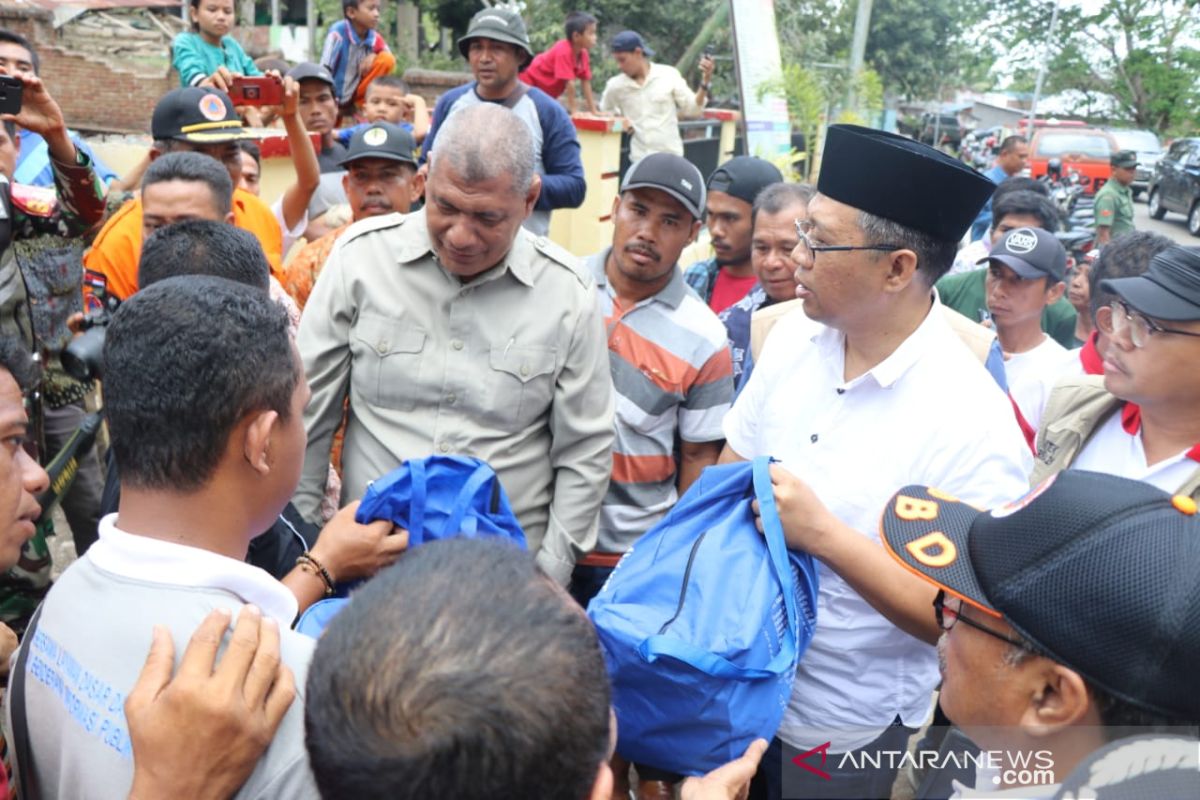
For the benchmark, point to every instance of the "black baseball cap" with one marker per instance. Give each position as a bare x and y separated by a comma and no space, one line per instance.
1124,158
668,173
1169,289
901,180
628,41
744,177
1097,572
1031,253
195,114
500,24
307,70
381,140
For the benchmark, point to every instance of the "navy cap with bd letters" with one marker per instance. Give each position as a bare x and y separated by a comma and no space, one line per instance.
1095,571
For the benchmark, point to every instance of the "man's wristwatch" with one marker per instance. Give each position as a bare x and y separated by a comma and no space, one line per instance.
706,87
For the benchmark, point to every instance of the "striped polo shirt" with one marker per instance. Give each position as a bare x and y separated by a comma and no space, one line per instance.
673,378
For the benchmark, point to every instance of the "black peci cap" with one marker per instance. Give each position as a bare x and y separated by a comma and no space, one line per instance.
1169,288
1097,572
195,114
381,140
901,180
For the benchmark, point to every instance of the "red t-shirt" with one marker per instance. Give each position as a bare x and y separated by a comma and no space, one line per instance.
727,290
550,71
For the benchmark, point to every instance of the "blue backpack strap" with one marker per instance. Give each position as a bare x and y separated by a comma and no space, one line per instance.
658,646
416,509
462,503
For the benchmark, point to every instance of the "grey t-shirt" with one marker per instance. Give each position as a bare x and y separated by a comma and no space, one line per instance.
90,645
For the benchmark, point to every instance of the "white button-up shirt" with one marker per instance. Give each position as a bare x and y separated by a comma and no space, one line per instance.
928,414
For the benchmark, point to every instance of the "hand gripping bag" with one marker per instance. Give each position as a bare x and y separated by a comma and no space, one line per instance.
702,624
442,497
439,497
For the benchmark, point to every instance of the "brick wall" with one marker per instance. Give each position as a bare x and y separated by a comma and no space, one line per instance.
96,96
93,94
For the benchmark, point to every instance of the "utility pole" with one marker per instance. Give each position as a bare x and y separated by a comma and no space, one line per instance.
1041,76
858,48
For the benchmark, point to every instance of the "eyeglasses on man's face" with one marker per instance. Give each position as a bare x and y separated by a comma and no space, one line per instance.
949,612
807,249
1140,328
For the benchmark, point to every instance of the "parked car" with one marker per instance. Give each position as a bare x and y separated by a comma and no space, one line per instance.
1145,143
934,131
1085,150
1175,185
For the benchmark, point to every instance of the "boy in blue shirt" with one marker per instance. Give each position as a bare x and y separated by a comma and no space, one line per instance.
355,53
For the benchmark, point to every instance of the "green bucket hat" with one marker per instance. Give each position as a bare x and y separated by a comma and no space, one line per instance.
501,25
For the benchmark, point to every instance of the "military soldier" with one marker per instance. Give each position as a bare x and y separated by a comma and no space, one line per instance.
1114,200
452,330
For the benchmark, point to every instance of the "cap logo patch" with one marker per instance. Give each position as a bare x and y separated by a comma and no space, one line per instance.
375,137
685,184
1008,509
1021,241
212,108
933,550
911,509
492,18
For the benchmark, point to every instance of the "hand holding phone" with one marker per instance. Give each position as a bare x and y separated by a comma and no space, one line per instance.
262,90
11,90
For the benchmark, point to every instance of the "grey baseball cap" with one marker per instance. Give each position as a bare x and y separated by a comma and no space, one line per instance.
501,25
1031,253
672,174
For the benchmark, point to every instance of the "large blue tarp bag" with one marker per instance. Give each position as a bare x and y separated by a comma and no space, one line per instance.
702,624
442,497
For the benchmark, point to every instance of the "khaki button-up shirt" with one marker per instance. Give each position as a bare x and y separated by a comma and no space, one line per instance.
654,108
511,368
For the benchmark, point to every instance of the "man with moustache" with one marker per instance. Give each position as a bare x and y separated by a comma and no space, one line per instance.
380,178
1141,420
732,188
667,354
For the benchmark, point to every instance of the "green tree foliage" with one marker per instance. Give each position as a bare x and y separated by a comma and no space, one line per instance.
1139,55
919,47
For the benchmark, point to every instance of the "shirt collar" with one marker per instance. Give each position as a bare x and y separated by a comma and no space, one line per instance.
670,295
1131,423
417,244
150,560
932,329
1089,356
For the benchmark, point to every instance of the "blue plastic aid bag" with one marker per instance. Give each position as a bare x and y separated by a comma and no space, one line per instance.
442,497
702,624
317,617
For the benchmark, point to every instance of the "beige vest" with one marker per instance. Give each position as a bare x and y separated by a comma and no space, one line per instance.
1076,409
